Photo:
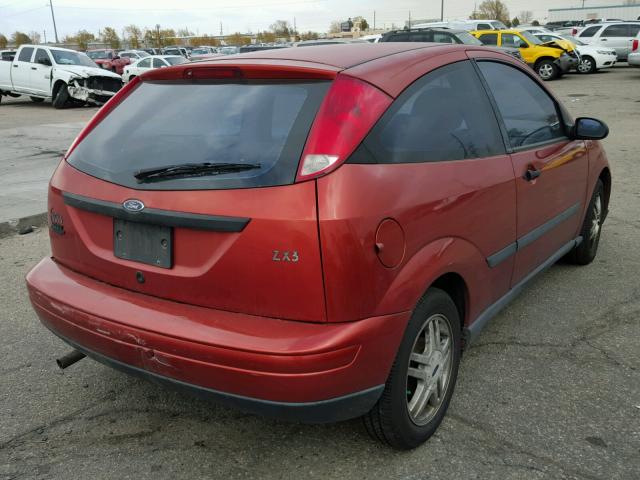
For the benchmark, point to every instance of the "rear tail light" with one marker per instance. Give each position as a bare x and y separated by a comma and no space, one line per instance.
346,115
574,32
103,112
634,45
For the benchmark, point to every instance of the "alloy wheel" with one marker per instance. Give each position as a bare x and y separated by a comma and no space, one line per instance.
429,371
585,66
545,71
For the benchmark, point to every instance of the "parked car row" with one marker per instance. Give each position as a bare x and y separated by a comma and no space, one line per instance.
617,35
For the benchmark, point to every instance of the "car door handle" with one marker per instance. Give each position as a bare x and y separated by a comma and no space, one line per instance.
603,39
531,174
15,66
33,68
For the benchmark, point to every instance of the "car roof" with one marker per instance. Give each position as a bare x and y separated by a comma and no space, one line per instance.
340,56
390,66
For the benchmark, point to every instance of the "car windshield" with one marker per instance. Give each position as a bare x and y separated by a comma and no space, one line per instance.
531,38
164,124
199,51
65,57
498,25
468,39
142,53
229,50
175,60
99,55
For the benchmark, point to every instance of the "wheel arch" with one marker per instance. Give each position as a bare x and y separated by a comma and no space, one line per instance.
452,264
541,59
56,86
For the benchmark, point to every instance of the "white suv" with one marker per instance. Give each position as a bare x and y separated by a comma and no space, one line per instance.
616,35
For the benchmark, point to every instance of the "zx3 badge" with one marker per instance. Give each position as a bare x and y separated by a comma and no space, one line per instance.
286,256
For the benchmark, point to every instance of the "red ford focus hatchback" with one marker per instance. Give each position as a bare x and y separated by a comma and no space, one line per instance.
316,233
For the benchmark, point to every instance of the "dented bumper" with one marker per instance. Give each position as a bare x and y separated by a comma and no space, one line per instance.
93,89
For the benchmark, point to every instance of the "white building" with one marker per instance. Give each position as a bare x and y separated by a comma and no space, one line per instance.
621,12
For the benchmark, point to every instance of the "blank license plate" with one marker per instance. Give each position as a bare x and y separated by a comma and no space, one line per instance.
142,242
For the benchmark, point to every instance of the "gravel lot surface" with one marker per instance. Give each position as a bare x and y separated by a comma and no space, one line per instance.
550,390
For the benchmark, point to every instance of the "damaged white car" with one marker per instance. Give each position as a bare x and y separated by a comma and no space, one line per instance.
64,76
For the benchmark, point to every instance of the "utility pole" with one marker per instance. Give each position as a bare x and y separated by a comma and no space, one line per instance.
55,29
442,10
374,19
221,29
158,34
45,36
409,19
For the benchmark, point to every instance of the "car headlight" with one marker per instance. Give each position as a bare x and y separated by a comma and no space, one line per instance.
603,52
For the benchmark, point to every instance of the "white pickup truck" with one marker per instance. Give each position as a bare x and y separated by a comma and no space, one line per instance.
65,76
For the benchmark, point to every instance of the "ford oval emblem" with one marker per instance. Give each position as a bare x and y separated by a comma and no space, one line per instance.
133,205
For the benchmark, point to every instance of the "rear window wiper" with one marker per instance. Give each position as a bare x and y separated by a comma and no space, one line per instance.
185,170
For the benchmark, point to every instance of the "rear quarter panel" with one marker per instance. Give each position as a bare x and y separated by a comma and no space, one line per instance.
453,215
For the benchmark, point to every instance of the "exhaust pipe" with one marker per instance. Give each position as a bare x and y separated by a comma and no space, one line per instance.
69,359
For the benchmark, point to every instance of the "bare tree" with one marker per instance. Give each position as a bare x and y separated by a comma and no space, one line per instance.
281,28
525,16
494,10
110,36
135,35
3,41
20,38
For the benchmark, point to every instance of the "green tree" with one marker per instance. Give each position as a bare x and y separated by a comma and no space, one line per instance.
515,22
494,10
82,38
3,41
168,37
364,25
135,35
535,23
20,38
110,36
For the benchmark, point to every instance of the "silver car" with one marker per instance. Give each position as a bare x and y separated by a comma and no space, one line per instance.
634,59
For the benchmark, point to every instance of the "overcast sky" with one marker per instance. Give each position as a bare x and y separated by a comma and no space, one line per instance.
205,16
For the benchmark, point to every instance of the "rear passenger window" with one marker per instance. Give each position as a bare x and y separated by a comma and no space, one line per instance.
489,38
615,31
157,63
589,32
441,37
25,54
528,112
634,29
484,26
511,40
445,115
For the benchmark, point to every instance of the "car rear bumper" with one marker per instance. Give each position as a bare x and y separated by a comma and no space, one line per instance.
299,371
634,59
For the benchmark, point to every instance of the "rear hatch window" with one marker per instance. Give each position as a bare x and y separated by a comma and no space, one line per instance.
262,124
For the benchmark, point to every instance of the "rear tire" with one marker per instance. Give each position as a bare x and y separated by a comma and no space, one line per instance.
61,97
547,70
587,65
586,252
423,376
37,99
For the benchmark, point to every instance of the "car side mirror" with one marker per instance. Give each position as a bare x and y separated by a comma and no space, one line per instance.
587,128
44,61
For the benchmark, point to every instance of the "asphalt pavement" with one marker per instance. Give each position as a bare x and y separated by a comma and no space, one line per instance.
550,390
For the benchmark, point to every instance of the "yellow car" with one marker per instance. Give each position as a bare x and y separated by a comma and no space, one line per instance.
550,60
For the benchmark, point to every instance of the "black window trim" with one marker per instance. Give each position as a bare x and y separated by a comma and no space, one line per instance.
503,127
357,159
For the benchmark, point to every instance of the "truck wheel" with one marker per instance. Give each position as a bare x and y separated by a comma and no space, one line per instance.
547,70
61,96
418,390
587,65
37,99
